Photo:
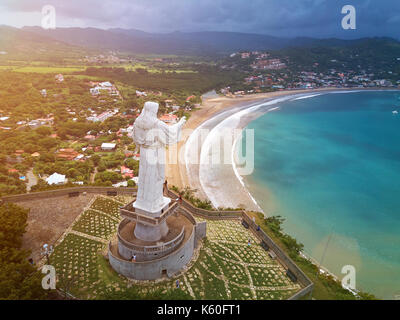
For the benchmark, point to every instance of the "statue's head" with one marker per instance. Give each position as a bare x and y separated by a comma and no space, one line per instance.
150,109
146,121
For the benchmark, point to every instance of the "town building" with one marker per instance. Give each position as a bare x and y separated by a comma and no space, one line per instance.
126,172
108,146
56,179
59,78
103,87
141,94
169,118
102,117
67,154
90,137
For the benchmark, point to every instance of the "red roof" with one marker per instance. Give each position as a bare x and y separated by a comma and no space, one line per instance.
168,117
126,170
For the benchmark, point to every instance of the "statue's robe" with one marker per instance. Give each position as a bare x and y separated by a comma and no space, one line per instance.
152,164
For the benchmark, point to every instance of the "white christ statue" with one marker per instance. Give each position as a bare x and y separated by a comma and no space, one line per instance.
152,136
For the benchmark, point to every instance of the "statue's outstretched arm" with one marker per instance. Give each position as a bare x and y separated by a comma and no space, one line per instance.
172,132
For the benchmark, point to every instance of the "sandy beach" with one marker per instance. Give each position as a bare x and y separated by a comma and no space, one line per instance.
226,190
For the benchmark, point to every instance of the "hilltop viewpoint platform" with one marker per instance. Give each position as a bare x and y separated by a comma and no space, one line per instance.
156,237
142,259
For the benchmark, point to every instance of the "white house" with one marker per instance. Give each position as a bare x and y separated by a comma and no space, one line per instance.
57,179
102,117
141,94
108,146
105,84
59,77
95,91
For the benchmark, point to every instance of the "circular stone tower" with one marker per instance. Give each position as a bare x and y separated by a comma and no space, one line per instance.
157,236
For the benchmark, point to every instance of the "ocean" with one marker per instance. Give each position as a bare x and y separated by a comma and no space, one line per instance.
330,165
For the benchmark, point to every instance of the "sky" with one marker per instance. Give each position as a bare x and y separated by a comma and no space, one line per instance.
284,18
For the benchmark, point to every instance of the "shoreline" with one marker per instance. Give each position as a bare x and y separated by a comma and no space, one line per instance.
187,172
250,105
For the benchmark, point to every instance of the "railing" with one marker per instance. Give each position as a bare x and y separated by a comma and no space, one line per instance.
187,208
171,209
241,214
150,249
168,245
67,191
283,259
129,213
126,243
135,216
224,214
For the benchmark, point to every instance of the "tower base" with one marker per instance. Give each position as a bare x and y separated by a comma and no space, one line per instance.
137,258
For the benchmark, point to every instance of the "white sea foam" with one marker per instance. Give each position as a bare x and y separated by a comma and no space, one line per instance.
307,96
238,176
210,177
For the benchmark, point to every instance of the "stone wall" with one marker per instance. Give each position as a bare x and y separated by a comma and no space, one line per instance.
241,214
283,259
209,214
185,253
200,232
67,191
155,269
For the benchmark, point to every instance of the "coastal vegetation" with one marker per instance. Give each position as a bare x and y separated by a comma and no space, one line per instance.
326,287
189,195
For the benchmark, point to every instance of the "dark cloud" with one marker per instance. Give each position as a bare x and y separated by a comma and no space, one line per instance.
318,18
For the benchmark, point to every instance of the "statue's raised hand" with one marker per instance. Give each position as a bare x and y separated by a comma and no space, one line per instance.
182,121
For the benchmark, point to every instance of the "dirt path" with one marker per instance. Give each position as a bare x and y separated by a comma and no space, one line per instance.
49,218
32,180
93,175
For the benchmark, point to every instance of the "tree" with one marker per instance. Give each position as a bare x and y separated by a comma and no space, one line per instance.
108,176
31,148
96,159
132,164
72,173
101,167
48,143
18,278
47,157
12,225
131,183
44,131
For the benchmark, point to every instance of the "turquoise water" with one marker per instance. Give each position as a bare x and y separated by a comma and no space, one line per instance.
330,165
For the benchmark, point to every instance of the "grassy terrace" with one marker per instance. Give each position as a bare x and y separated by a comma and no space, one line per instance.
227,267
